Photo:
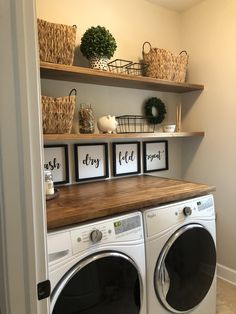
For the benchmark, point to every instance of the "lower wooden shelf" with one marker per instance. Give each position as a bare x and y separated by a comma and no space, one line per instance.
75,137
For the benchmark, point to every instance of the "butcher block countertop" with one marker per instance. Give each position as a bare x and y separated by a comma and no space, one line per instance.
83,202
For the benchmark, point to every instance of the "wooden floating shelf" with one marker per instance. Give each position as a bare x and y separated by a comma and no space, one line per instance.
91,76
76,137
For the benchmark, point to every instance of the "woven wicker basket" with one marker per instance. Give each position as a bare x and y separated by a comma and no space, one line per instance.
165,65
56,42
58,113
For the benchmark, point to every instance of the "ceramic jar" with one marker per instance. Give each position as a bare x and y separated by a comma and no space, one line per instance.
98,63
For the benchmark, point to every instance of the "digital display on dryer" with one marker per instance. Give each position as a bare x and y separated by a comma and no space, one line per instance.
127,224
204,204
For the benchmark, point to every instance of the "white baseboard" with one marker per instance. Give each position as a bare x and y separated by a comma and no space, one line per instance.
226,273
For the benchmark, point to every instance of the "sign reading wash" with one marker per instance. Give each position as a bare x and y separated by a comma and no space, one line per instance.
91,161
56,160
126,158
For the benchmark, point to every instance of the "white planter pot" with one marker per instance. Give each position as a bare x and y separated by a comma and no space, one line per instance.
98,63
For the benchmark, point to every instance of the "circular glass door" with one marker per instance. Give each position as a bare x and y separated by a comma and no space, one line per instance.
185,269
108,282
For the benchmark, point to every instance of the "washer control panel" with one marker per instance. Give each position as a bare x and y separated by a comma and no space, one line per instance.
116,230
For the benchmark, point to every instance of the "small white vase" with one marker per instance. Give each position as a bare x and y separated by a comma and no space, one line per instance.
98,63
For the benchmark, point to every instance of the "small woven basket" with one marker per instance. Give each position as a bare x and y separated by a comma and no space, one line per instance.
165,65
58,113
56,42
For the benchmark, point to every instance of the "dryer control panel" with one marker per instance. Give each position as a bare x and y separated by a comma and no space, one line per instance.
205,203
162,218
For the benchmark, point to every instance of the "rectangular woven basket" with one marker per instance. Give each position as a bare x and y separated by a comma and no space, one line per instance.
165,65
58,113
56,42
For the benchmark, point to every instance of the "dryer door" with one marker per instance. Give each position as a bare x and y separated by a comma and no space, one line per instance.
104,283
185,268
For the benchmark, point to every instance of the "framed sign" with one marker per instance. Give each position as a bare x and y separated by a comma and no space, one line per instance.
126,158
56,160
155,156
91,161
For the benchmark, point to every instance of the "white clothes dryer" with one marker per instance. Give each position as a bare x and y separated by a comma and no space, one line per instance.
99,267
181,257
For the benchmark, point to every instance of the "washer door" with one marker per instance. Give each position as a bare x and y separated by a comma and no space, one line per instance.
185,269
107,282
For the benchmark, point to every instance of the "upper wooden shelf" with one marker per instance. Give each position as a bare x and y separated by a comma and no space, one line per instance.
76,137
90,76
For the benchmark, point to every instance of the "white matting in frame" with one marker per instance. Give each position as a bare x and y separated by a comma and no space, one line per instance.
91,161
155,156
126,158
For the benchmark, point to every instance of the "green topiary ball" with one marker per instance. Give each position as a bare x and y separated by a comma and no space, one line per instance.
98,42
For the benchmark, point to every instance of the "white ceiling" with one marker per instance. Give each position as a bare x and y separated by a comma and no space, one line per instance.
176,5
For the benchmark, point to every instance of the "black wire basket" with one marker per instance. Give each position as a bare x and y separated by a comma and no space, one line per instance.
127,67
134,124
119,66
136,68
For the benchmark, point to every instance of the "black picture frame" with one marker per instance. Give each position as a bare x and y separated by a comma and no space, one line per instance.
56,160
91,161
155,156
126,158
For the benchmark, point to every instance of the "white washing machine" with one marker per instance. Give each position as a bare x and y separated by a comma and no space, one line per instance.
181,257
99,267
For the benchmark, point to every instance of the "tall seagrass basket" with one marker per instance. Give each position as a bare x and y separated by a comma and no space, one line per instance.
56,42
165,65
58,113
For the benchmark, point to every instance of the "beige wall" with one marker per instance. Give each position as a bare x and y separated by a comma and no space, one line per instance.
131,23
208,32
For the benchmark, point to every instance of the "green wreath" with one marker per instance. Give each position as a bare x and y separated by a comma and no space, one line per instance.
160,109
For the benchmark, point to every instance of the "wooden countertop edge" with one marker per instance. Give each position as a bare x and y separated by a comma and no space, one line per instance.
73,219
